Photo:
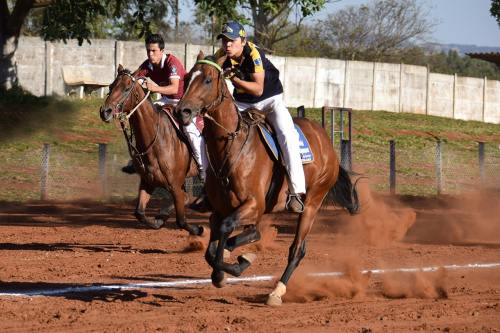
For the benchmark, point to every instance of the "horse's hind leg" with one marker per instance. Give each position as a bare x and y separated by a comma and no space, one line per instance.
140,210
298,248
178,195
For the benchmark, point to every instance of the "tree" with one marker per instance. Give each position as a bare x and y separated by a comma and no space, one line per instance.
375,31
72,19
495,10
270,19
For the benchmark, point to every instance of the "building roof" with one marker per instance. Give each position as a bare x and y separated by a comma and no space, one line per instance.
493,57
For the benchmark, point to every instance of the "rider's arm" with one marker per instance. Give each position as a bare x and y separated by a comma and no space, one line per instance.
171,89
254,87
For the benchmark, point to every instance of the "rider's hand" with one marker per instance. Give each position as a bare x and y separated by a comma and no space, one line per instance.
231,73
228,73
151,85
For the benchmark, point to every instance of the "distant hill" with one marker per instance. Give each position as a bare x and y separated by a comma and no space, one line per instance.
461,48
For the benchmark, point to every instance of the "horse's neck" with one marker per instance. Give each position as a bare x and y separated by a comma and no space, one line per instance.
144,123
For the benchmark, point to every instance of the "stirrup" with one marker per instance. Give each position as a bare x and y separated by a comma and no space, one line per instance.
295,203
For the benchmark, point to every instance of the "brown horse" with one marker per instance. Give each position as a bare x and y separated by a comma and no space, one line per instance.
160,155
244,182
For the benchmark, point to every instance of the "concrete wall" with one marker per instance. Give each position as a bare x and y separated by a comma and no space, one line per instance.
440,95
492,102
469,93
387,81
312,82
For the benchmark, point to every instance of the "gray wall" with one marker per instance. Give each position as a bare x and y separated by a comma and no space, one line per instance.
313,82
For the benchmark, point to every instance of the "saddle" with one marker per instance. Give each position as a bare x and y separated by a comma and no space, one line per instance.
256,117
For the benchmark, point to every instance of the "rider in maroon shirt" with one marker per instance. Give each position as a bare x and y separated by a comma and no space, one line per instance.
165,75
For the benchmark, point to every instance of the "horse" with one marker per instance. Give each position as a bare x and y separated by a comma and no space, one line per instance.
244,182
160,154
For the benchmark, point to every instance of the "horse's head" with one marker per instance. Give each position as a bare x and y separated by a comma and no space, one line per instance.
118,101
204,91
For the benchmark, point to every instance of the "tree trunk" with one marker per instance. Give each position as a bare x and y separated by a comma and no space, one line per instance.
8,69
10,29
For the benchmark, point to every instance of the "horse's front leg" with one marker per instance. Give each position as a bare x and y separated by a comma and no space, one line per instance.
179,197
297,250
248,211
143,197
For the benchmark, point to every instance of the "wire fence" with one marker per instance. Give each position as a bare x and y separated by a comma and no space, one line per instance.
57,172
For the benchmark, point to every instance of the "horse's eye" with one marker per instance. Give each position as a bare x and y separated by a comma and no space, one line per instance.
208,80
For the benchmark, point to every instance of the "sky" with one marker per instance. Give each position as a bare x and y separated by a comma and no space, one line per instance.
459,21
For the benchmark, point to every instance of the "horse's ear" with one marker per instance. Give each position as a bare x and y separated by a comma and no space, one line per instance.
120,68
201,56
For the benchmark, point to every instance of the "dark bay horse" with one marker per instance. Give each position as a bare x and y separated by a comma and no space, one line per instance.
244,182
160,156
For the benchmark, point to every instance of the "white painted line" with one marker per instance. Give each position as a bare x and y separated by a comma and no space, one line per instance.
194,282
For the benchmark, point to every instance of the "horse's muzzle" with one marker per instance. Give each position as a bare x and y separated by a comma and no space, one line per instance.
184,115
106,113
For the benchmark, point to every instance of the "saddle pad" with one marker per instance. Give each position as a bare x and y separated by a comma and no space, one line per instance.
305,150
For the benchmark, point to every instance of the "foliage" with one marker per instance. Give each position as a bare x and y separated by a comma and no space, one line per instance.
85,19
495,10
375,30
269,19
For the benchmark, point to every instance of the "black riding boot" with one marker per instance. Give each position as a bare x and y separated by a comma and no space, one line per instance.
129,168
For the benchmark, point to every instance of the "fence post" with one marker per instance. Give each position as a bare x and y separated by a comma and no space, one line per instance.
392,166
45,171
301,111
481,162
102,169
439,167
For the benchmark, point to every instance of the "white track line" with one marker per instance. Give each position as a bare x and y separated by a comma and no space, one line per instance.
261,278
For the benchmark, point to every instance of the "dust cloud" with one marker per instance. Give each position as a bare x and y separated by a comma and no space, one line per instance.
415,285
468,218
380,223
304,287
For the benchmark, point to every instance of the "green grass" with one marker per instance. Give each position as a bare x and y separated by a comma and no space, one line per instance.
73,129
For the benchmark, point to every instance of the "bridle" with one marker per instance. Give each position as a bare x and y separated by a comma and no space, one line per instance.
117,110
218,101
123,117
231,135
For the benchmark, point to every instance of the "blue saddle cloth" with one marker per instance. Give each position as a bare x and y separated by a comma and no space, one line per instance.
305,150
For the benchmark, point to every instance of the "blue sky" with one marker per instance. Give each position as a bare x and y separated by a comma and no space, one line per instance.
459,21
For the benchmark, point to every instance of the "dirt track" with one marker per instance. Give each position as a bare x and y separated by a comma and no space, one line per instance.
52,245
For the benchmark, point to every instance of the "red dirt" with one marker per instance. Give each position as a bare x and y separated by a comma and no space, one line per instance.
79,243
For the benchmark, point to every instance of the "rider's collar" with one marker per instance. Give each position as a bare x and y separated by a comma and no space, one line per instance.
162,63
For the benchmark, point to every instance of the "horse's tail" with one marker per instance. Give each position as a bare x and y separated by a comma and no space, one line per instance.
344,192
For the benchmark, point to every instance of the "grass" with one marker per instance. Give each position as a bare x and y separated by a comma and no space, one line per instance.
73,129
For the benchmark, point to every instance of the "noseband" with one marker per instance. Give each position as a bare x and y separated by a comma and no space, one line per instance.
120,114
218,101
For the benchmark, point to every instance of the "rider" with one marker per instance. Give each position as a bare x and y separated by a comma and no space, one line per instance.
257,84
165,75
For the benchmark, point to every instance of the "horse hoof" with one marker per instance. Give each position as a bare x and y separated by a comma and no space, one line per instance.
274,300
250,257
218,279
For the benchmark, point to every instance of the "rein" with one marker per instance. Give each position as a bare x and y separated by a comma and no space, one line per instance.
231,135
124,119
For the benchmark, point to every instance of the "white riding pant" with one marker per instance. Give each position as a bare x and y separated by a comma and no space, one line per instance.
194,137
278,116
